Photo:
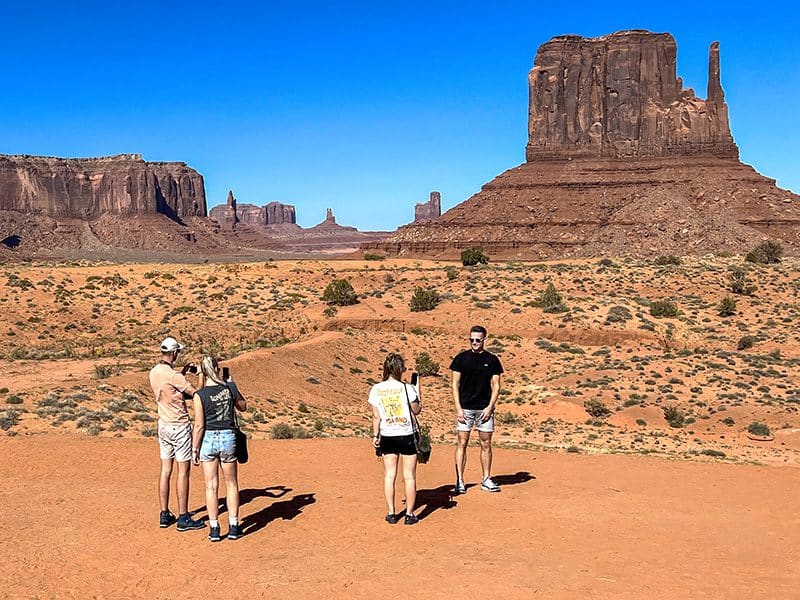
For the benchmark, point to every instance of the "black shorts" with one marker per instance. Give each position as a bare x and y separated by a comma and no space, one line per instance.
398,444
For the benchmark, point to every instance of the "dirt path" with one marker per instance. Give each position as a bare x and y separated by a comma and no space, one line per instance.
79,521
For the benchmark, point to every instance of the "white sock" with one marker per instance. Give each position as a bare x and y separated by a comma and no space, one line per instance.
213,523
233,520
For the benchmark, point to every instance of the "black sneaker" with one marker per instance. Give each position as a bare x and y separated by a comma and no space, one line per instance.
234,533
411,519
166,519
187,523
213,534
393,519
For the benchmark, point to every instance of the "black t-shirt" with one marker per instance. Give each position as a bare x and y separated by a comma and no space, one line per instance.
477,370
218,405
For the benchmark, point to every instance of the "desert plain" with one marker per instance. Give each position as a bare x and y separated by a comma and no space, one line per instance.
639,454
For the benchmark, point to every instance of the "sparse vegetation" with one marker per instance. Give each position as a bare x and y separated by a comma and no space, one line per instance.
674,416
596,408
739,283
424,299
425,365
474,256
669,259
727,308
283,431
550,300
758,429
766,253
340,292
663,308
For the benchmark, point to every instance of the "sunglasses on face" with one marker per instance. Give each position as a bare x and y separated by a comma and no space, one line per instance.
476,340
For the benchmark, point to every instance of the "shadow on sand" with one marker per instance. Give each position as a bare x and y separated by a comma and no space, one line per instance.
286,510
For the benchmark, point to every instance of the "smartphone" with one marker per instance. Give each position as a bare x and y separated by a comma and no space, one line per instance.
226,373
414,378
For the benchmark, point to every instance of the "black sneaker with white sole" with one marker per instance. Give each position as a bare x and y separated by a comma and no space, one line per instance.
187,523
213,534
234,533
166,519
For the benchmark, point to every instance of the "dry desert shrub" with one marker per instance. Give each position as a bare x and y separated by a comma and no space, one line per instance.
474,256
424,299
766,253
727,307
284,431
550,300
596,409
759,429
663,308
739,284
425,365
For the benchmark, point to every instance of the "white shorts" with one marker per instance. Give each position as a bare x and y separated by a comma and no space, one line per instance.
473,419
175,441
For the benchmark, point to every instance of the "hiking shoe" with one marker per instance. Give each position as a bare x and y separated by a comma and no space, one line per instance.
166,519
459,488
393,519
187,523
411,519
234,533
489,485
213,534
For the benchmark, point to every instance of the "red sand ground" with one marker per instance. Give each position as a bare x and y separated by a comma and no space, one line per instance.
80,521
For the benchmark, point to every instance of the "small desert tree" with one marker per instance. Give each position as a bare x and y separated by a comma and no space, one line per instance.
425,365
727,308
550,300
340,293
474,256
739,284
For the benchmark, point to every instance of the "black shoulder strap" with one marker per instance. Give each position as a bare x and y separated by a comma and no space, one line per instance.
414,423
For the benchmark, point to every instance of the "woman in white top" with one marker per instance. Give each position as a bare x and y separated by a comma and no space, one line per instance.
393,402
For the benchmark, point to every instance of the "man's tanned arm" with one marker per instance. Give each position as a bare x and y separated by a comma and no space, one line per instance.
456,379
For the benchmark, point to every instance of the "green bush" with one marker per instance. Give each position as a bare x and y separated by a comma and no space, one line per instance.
284,431
746,342
371,256
669,259
759,429
727,308
618,314
766,253
13,399
424,299
452,272
8,419
424,364
340,292
550,300
606,262
507,418
674,416
474,256
596,409
663,308
739,284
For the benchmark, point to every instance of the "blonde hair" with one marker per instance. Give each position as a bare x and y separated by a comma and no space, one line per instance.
393,366
209,369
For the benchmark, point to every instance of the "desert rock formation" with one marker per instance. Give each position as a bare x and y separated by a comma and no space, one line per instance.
620,160
89,187
232,212
430,210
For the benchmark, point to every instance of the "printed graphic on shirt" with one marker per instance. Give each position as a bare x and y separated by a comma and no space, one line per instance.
392,401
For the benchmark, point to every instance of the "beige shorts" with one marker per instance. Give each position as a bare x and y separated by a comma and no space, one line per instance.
175,441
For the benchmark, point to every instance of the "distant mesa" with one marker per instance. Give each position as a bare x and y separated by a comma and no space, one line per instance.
430,210
89,187
621,160
273,213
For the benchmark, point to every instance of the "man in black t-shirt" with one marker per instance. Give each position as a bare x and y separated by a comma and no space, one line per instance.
476,386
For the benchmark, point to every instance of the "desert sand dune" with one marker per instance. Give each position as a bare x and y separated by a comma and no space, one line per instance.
80,521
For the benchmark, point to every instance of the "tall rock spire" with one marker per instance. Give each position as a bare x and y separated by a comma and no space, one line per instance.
715,93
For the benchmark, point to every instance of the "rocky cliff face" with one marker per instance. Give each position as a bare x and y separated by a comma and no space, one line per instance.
619,96
430,210
89,187
620,161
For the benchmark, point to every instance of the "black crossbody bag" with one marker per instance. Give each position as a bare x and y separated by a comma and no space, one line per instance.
422,442
242,454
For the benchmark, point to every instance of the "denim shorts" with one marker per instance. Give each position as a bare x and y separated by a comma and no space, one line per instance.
473,419
218,443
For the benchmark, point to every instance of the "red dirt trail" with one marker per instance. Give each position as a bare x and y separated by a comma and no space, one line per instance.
80,521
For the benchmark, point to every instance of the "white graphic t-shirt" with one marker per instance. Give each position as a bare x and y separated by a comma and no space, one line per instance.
390,399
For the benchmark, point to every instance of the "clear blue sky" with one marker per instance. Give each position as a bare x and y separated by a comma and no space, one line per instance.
364,107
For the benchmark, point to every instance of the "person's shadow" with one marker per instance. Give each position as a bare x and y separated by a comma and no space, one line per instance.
286,509
518,477
245,496
434,499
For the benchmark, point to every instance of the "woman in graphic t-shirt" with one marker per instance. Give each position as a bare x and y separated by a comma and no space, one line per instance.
214,426
392,403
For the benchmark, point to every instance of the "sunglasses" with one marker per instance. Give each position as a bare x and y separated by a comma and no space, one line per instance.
476,340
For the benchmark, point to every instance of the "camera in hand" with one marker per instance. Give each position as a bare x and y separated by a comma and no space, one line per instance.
414,378
226,373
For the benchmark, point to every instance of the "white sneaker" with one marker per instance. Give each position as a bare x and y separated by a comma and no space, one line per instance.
489,485
460,488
